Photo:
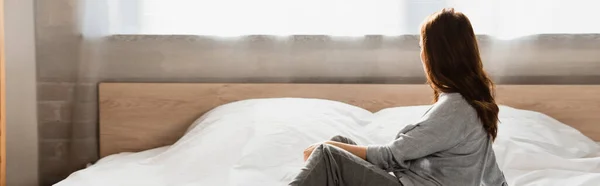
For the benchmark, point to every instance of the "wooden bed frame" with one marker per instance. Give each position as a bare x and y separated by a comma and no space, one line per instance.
140,116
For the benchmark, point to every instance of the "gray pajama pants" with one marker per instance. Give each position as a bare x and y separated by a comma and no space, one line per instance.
331,166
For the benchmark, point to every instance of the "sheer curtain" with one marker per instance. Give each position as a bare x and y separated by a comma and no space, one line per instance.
499,18
507,19
154,58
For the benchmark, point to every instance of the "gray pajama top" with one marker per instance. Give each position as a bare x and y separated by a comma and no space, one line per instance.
449,146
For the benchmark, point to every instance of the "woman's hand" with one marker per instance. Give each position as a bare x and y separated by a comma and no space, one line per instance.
308,151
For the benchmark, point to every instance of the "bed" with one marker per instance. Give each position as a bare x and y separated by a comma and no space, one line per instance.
224,134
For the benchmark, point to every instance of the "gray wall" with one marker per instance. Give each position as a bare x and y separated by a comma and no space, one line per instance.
21,123
69,69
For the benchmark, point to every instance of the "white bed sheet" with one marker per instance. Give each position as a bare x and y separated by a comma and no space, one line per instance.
260,142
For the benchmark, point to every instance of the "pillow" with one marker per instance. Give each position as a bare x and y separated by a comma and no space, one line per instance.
285,106
537,132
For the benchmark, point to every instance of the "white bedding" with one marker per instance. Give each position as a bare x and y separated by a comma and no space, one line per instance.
260,142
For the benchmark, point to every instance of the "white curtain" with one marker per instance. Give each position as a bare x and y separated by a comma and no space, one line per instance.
499,18
160,59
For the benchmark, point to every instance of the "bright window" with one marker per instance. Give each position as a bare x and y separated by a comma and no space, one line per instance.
502,18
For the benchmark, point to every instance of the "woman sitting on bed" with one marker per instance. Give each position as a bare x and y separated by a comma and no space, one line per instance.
450,145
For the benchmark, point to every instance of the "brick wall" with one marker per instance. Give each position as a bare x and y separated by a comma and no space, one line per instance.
57,54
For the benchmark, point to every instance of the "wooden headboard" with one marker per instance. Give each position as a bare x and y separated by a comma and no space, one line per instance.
140,116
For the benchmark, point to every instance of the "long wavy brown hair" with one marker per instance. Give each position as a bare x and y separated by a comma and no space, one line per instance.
452,64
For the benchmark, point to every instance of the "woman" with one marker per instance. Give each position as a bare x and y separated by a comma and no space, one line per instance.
451,145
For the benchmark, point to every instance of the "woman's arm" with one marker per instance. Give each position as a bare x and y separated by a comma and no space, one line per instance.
360,151
422,139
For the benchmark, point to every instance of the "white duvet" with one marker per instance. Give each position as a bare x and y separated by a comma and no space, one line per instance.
260,143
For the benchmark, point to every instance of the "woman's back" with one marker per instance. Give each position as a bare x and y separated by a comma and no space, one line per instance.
462,153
